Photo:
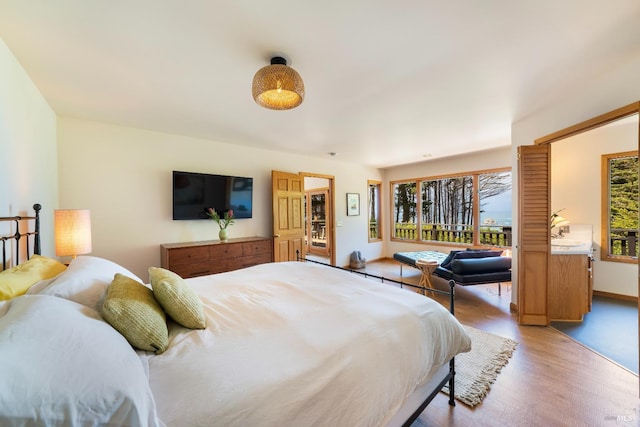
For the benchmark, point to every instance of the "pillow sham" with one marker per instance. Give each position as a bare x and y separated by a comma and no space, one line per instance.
86,280
130,307
177,298
62,365
17,280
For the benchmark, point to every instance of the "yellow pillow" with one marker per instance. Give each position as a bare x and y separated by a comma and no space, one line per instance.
15,281
132,310
177,298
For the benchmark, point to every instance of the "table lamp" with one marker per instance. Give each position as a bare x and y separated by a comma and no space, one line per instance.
72,231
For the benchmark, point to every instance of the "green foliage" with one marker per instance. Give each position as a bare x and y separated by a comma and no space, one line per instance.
624,193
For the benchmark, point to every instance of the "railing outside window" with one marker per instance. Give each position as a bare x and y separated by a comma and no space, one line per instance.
624,242
455,233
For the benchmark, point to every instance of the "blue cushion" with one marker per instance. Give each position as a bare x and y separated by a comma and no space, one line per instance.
447,261
480,265
469,253
478,254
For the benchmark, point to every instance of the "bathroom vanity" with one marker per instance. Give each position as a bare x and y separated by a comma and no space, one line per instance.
570,280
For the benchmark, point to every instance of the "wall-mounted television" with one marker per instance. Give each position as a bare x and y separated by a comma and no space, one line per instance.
193,193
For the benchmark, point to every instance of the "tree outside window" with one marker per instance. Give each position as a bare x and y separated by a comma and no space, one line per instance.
620,207
447,210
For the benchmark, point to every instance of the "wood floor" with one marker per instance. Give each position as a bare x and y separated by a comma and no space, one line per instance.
551,380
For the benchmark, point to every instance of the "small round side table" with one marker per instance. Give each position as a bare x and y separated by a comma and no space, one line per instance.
426,268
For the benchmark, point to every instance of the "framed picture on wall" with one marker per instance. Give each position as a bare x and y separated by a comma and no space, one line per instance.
353,204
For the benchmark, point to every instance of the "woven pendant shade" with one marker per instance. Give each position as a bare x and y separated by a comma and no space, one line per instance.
277,86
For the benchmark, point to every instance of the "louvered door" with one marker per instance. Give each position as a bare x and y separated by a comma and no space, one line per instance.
533,243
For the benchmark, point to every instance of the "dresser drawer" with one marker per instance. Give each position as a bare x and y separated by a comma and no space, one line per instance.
224,251
192,270
248,261
188,255
258,247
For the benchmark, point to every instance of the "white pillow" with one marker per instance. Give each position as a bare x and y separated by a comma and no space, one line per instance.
86,280
40,286
62,365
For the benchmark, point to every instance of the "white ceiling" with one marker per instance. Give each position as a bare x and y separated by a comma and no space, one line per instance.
387,82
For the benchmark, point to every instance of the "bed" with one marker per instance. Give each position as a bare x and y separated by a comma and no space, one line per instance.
290,343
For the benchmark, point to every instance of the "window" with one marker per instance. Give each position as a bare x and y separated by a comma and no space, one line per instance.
447,210
404,214
620,207
472,208
494,198
375,231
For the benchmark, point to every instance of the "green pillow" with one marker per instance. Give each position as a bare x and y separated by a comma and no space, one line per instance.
177,298
15,281
132,310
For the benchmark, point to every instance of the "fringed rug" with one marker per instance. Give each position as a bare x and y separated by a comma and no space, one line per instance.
479,368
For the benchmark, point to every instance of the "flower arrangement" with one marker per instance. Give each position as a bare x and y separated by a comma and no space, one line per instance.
556,219
224,221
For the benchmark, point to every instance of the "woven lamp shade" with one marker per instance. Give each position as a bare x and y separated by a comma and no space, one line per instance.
278,86
73,232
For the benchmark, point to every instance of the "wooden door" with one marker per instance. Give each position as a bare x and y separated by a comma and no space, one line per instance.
288,215
534,237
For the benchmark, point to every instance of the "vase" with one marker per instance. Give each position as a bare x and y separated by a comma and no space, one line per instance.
223,234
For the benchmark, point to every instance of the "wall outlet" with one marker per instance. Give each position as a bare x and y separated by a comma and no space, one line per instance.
338,223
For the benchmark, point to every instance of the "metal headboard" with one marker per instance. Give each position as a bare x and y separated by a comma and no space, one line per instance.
17,235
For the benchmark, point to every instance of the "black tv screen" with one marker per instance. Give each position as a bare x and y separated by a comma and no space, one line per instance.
193,193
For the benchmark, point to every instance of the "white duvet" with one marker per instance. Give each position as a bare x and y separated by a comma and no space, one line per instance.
299,344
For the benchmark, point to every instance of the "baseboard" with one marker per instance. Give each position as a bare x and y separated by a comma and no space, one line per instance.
616,296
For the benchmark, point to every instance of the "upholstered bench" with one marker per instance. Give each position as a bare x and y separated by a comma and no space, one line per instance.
475,267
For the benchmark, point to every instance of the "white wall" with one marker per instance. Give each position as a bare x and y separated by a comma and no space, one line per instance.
615,88
490,159
576,188
28,166
123,175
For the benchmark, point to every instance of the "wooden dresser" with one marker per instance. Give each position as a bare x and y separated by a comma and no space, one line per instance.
213,256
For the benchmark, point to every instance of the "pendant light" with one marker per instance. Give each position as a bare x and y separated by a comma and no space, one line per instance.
278,86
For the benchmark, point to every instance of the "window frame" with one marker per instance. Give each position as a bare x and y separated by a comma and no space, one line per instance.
605,200
418,182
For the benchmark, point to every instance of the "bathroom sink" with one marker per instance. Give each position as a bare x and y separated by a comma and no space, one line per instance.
566,242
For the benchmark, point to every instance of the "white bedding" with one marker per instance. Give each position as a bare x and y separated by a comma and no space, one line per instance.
62,365
298,344
287,344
